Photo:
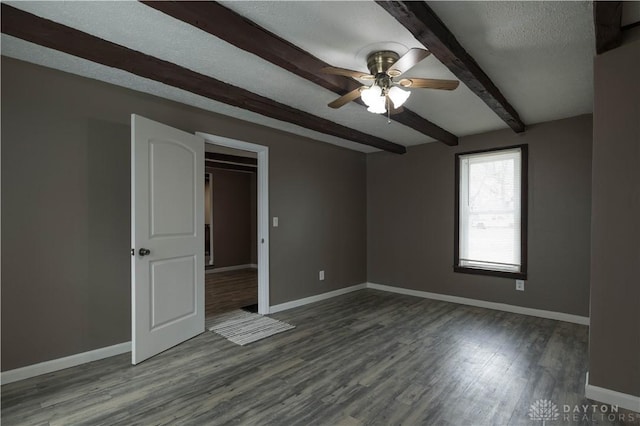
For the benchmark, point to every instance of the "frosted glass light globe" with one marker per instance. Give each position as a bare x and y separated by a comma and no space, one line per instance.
398,96
378,106
371,95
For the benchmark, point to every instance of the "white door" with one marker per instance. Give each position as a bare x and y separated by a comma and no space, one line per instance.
167,236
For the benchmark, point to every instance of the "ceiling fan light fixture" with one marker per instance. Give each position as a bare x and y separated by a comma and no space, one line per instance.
376,100
370,95
378,109
398,96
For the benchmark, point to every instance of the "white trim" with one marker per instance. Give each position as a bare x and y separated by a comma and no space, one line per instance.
316,298
62,363
231,268
263,210
611,397
560,316
629,402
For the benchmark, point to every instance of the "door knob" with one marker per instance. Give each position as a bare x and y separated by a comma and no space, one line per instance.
144,252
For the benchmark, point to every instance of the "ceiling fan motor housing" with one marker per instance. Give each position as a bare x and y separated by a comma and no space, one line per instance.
379,62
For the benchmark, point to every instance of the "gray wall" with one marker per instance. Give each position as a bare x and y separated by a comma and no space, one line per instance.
321,205
410,205
614,341
232,217
65,210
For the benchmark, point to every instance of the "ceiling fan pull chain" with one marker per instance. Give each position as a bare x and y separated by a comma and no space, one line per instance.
388,110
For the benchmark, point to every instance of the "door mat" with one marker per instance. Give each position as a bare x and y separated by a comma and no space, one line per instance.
242,327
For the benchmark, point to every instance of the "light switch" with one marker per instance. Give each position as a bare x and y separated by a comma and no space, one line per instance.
275,221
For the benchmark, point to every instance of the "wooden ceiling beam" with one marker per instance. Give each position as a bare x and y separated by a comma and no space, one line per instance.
44,32
210,164
429,30
216,156
235,29
607,19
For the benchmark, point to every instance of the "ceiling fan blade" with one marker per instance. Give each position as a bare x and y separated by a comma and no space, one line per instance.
345,99
407,61
347,73
429,83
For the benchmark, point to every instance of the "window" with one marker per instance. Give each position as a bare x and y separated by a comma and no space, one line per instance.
491,212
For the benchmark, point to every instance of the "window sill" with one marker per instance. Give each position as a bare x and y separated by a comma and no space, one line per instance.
502,274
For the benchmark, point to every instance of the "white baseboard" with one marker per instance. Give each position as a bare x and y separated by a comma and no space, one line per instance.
593,392
608,396
316,298
560,316
62,363
231,268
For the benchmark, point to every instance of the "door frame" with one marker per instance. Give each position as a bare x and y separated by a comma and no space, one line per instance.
263,210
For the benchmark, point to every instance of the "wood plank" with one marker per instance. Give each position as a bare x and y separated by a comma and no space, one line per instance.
367,357
226,291
44,32
230,158
227,25
607,19
429,30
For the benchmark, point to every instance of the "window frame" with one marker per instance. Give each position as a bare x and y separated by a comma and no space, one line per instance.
524,204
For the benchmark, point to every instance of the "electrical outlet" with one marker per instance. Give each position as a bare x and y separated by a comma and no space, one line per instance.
275,221
520,285
321,276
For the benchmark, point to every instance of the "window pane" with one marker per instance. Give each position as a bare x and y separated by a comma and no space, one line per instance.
490,210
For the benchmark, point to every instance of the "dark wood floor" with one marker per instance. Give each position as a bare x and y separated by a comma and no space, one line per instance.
226,291
363,358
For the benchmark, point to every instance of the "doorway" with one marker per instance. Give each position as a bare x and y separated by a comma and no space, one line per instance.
231,275
260,153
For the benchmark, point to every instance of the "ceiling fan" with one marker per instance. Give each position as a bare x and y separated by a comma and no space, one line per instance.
385,93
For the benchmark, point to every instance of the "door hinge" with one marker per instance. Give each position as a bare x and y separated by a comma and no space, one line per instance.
133,252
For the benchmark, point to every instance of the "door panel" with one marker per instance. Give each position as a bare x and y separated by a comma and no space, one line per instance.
172,212
167,300
170,303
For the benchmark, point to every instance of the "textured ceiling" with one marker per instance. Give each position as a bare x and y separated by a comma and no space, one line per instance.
344,33
538,53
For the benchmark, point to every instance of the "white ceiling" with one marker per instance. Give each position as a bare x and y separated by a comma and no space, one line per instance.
538,53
